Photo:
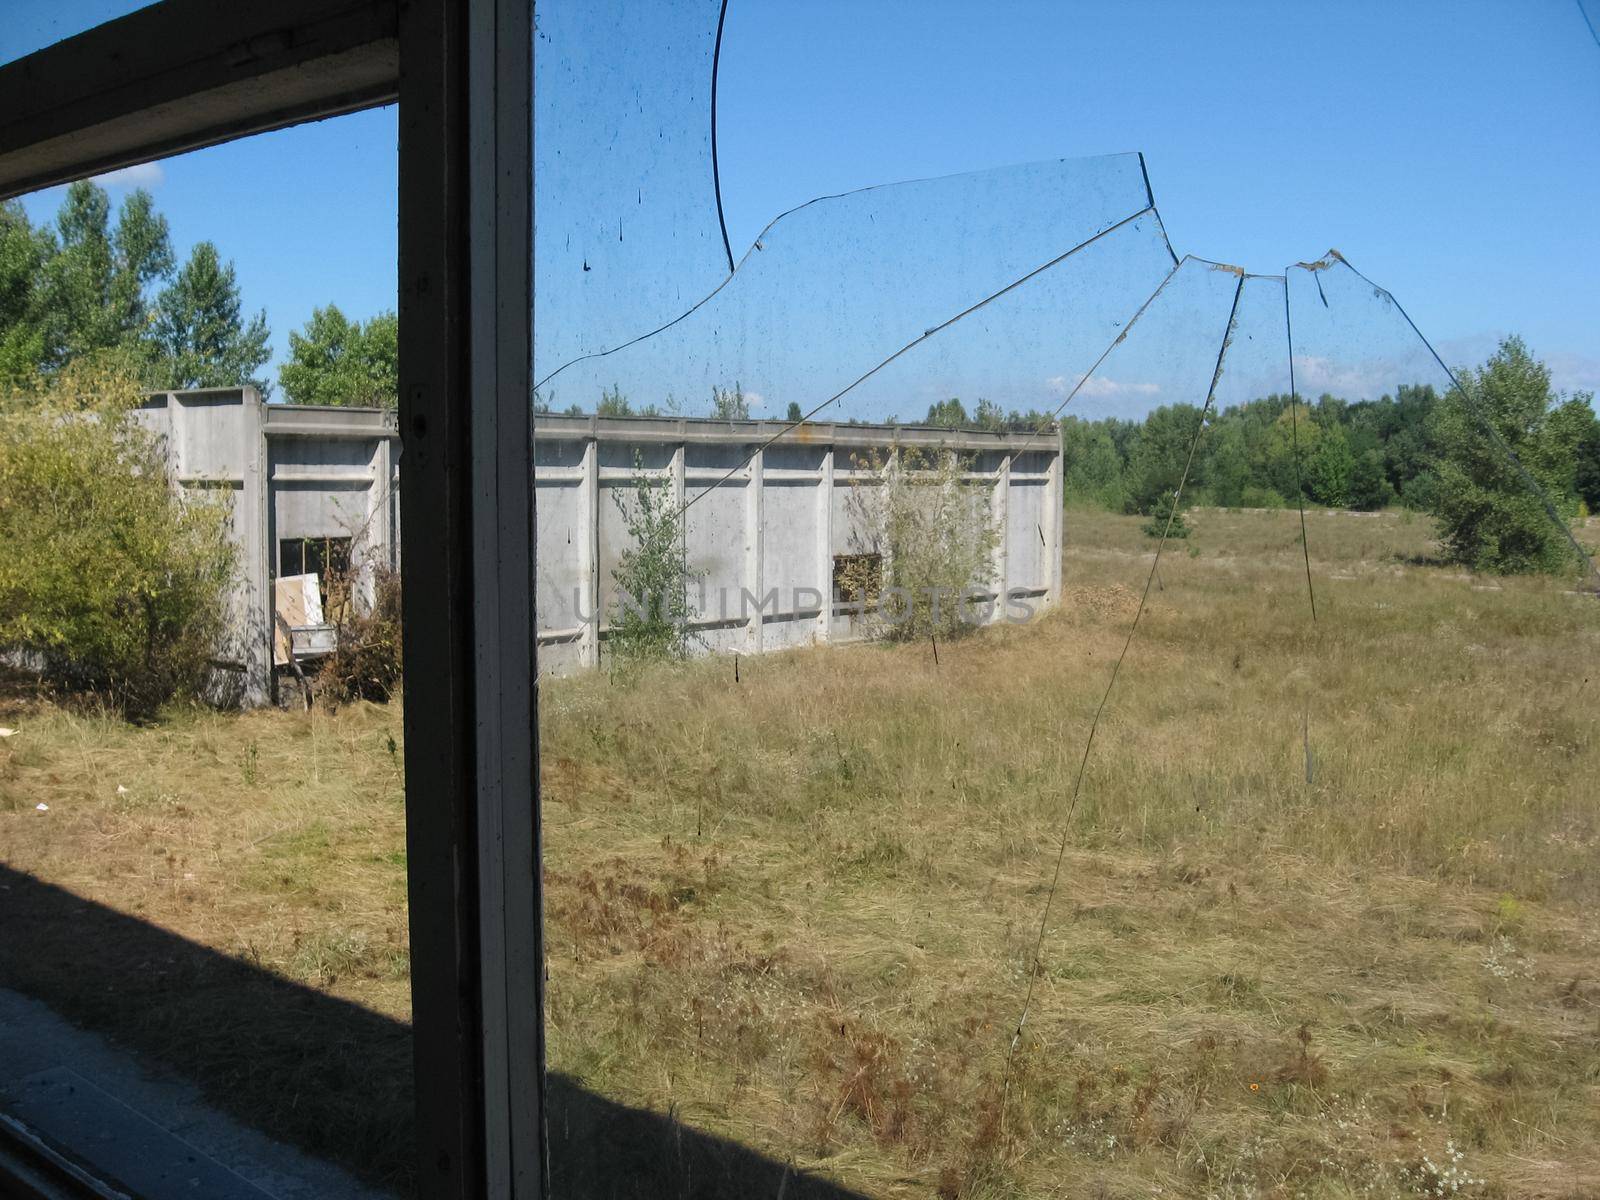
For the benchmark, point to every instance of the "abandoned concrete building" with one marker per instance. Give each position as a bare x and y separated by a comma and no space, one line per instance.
317,488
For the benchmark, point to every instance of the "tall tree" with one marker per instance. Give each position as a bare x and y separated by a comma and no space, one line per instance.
334,360
1157,465
200,336
1330,465
729,404
1489,517
24,251
1093,466
100,278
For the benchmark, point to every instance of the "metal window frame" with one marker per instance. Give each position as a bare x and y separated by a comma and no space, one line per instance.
185,74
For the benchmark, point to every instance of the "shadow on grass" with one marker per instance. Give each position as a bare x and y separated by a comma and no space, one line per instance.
322,1073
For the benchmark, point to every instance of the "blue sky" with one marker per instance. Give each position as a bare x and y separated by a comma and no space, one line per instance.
1447,147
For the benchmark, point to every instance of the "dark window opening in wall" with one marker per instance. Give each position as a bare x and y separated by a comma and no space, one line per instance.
328,558
857,578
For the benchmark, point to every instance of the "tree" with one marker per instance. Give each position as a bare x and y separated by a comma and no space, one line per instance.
1369,487
1285,451
650,613
729,404
988,415
614,404
1156,466
794,416
932,536
1227,470
24,251
334,360
947,414
1489,517
1330,465
99,279
1572,438
1166,518
1092,466
110,574
199,336
1586,470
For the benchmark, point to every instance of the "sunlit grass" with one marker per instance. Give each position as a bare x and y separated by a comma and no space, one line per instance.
799,910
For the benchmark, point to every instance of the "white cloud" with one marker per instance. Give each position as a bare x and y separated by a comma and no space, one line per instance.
139,175
1100,385
1366,378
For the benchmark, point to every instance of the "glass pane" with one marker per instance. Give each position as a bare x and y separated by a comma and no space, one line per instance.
849,280
629,231
933,713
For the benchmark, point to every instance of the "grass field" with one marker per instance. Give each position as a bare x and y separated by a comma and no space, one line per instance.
799,910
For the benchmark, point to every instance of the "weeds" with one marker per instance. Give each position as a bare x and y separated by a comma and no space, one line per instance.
930,536
797,912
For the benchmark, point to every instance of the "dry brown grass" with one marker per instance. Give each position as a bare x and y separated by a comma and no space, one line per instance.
800,910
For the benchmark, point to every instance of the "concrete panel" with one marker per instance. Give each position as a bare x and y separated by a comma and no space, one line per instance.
615,539
849,534
561,523
789,526
317,454
320,509
207,434
787,632
1025,547
652,456
556,659
715,536
566,455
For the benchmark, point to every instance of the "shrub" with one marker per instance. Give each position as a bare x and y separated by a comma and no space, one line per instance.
650,617
366,660
1255,496
1166,519
1490,517
111,578
935,536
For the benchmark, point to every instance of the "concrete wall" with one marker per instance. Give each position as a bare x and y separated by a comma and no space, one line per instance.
774,524
292,472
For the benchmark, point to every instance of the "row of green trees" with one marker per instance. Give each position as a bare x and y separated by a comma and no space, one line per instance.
90,286
731,404
1266,453
1494,460
101,285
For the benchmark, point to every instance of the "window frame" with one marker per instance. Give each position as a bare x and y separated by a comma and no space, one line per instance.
185,74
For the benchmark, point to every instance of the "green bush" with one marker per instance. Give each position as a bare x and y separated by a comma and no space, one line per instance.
934,535
650,616
1166,519
1490,517
1254,496
111,578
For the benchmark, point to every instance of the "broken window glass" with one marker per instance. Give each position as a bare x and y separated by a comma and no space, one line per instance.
801,915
